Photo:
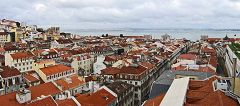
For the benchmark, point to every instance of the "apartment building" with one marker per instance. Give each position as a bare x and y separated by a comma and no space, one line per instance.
5,37
55,72
23,61
136,75
10,80
124,91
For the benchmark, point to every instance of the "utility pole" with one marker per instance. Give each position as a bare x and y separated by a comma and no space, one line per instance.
234,72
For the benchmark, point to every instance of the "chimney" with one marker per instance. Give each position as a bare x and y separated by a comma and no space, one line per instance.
105,97
68,80
23,96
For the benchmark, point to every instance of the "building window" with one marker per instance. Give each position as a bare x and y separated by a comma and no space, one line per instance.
136,95
136,89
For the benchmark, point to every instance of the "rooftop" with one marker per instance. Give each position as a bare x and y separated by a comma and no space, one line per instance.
20,55
70,82
66,102
162,84
36,91
55,69
198,93
110,71
176,93
133,69
100,98
188,56
154,101
48,101
9,72
119,87
43,89
30,78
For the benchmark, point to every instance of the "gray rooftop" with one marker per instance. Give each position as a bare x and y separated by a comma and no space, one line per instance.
164,81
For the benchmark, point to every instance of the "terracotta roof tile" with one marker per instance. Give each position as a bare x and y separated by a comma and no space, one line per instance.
30,78
109,58
155,101
133,70
48,101
99,98
187,56
36,91
217,98
9,100
55,69
147,65
9,72
20,55
43,89
70,82
110,71
66,102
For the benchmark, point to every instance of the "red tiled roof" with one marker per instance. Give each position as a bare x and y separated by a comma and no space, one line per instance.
30,78
9,72
20,55
208,50
66,102
55,69
48,101
147,65
180,67
187,56
36,91
207,69
201,93
216,98
9,100
133,70
109,58
36,52
43,89
99,98
155,101
110,71
205,85
213,39
74,82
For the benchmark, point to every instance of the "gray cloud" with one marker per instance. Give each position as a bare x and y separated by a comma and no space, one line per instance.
84,14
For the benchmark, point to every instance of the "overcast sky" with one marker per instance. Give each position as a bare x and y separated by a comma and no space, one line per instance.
98,14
